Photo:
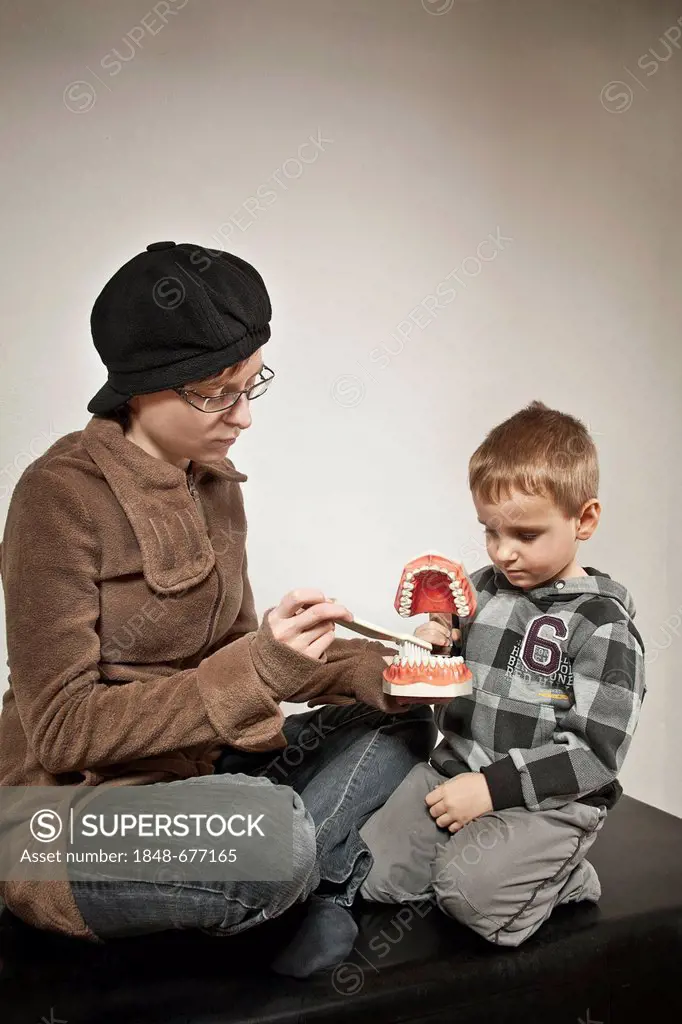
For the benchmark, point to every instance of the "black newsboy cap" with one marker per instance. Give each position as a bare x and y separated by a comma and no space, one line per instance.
174,314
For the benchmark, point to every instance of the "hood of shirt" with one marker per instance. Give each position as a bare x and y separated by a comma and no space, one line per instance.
595,584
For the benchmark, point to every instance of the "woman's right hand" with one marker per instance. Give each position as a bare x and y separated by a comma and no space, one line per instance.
438,631
304,620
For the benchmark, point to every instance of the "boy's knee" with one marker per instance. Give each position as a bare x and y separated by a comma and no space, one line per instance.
467,879
475,881
466,899
459,888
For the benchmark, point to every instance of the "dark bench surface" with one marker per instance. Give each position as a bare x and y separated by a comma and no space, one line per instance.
614,963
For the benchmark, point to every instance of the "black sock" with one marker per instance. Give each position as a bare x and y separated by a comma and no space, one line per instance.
325,937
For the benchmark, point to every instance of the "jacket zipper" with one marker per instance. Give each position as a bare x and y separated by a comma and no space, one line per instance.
216,607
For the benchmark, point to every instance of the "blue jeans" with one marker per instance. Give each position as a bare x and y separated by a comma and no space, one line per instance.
341,764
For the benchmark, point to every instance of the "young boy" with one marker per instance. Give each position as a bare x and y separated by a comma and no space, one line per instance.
497,825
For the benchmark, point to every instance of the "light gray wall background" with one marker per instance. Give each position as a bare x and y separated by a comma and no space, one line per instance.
553,126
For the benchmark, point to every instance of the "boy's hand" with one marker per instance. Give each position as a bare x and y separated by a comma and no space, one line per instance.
438,631
458,801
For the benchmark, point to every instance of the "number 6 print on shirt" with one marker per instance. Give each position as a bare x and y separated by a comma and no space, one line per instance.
542,653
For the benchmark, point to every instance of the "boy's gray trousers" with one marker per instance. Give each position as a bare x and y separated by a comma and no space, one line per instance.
501,875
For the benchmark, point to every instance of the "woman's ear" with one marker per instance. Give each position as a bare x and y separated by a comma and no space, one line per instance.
588,519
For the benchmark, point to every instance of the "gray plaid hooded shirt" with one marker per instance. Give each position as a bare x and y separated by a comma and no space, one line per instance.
558,685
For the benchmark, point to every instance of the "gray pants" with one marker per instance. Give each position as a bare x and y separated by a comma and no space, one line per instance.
501,875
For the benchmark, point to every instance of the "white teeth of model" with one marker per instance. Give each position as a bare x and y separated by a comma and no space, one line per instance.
396,659
452,575
403,661
407,585
432,661
409,575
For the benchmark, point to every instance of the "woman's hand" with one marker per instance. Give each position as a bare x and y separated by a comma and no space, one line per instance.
438,631
304,620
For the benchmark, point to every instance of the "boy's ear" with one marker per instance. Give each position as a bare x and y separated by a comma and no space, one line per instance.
588,519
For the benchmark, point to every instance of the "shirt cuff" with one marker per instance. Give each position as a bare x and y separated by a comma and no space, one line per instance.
504,783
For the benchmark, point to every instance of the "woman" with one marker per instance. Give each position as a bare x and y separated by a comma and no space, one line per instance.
135,654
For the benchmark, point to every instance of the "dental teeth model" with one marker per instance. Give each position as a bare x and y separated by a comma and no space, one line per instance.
430,583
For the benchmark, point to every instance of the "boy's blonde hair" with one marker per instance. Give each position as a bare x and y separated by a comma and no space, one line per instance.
537,451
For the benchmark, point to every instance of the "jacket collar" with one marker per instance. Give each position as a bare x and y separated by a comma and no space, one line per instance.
175,546
576,582
595,584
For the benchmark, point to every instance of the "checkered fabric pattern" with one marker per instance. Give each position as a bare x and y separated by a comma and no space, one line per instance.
558,683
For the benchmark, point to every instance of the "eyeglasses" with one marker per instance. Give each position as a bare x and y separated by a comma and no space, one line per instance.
226,400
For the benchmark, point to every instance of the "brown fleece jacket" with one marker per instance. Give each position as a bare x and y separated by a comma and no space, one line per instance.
134,648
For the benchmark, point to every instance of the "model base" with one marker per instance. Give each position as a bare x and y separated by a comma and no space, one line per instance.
425,691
